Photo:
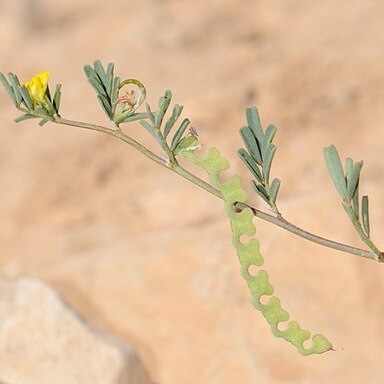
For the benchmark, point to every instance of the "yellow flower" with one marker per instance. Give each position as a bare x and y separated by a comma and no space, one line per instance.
37,87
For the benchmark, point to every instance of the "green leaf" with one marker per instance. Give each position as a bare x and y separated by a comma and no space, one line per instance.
251,143
99,69
365,213
24,117
254,123
16,88
176,112
267,161
89,72
26,98
260,190
109,78
355,197
41,110
335,170
251,164
48,107
353,178
270,133
115,91
43,122
275,186
8,88
348,165
179,133
135,116
151,115
97,86
355,201
147,126
186,144
105,105
163,106
165,100
57,97
48,93
153,131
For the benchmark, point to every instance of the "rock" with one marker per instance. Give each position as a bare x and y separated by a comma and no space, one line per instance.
42,340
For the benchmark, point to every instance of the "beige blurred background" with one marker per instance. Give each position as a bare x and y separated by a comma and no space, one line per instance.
145,255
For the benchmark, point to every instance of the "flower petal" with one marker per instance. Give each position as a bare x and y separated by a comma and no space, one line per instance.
37,87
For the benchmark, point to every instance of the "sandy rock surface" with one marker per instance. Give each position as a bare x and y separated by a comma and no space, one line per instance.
144,255
44,341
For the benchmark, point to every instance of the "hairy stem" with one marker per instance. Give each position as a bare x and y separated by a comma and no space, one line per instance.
175,167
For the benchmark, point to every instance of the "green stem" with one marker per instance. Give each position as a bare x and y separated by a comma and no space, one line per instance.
167,149
272,205
175,167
